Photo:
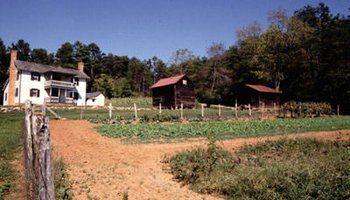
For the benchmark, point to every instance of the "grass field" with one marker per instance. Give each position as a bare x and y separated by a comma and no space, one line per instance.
285,169
142,102
222,130
10,141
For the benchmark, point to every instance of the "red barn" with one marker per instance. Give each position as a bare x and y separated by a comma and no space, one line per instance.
173,91
256,95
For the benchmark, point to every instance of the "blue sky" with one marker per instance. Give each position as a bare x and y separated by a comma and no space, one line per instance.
139,28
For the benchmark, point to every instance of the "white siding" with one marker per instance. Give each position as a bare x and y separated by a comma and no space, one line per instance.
81,89
24,84
6,94
99,101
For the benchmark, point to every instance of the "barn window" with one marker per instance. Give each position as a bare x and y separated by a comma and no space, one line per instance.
34,93
16,94
184,82
35,76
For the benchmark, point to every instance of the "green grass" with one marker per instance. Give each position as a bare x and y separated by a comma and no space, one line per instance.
10,141
285,169
142,102
223,130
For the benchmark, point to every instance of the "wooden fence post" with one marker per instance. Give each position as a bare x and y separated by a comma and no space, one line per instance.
37,153
135,109
250,110
110,108
236,107
338,110
263,110
274,108
219,110
81,112
182,111
202,110
160,108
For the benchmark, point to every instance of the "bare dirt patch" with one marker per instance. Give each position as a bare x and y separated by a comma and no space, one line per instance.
105,168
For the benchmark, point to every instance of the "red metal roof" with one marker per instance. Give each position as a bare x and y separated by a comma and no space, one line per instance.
263,88
168,81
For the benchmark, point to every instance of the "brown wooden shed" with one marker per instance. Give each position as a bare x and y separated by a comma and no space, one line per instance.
256,95
173,91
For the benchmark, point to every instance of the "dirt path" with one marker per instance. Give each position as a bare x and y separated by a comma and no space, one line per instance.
105,168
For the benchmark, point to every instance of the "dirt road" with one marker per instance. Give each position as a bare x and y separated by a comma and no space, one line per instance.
104,168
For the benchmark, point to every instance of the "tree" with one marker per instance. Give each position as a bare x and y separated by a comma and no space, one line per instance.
23,50
215,53
65,55
4,65
158,67
179,59
40,55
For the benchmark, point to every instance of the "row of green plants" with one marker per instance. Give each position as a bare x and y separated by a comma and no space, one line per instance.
223,130
306,109
285,169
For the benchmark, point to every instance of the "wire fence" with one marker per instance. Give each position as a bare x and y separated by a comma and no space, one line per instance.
198,113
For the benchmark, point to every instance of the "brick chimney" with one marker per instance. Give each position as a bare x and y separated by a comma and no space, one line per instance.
12,78
81,66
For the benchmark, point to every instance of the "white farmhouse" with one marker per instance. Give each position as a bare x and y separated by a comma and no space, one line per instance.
95,99
44,83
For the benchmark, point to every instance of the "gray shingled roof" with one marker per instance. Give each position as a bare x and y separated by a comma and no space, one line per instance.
92,95
41,68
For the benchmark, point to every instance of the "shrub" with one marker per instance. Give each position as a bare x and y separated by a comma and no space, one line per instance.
285,169
306,109
62,183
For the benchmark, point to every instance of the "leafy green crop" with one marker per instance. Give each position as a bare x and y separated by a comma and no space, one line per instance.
223,130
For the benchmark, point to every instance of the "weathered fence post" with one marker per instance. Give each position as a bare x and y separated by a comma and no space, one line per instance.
219,110
338,110
110,108
182,111
299,110
160,108
263,110
274,108
135,109
37,153
250,110
202,110
236,107
81,112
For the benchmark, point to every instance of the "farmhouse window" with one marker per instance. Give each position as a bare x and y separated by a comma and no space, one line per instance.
34,93
75,81
17,77
93,100
35,76
54,92
5,96
16,94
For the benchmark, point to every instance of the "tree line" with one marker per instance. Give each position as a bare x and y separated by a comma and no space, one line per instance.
305,55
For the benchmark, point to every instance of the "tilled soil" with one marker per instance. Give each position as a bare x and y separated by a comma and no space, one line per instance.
105,168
